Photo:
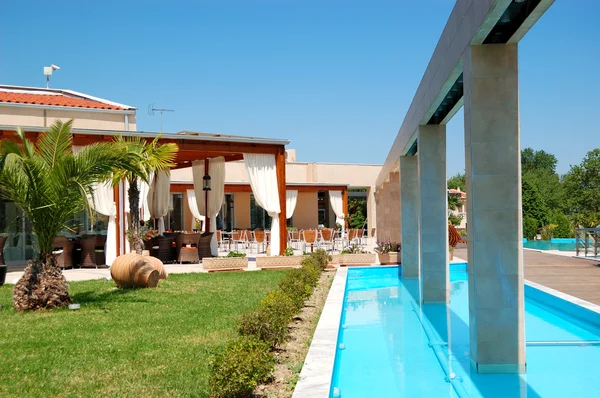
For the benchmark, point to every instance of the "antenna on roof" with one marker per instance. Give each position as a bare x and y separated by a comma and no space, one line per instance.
48,72
152,109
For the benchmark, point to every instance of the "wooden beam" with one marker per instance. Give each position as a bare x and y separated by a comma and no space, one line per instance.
245,187
345,204
280,168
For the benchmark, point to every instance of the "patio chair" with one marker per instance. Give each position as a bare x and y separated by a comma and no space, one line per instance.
327,238
310,237
92,251
204,245
259,239
294,238
63,250
360,236
220,241
187,248
238,237
163,249
454,237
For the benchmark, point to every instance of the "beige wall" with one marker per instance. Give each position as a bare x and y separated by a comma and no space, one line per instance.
241,210
306,214
33,117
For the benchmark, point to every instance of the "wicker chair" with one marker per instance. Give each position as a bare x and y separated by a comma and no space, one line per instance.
163,249
310,237
2,242
92,250
260,239
204,245
63,249
187,248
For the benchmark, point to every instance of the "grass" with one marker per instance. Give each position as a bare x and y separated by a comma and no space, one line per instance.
125,343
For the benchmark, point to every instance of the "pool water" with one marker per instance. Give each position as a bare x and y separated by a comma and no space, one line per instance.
563,244
389,347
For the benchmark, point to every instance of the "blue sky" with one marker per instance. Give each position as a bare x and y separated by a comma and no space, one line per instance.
334,77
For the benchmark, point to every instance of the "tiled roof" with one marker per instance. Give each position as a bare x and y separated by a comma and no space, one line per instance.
54,100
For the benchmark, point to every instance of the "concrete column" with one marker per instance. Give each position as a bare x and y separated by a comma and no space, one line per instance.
379,212
409,191
493,174
433,213
386,211
395,214
371,210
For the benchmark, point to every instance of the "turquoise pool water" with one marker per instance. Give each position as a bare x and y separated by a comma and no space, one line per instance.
389,347
562,244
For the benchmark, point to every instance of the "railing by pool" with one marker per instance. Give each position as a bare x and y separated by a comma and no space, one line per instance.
587,240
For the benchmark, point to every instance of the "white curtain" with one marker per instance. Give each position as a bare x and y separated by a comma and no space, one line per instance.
291,197
158,198
263,180
103,202
193,205
216,171
143,187
335,198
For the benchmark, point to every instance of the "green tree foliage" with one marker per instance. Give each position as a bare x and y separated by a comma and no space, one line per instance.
530,228
548,185
458,181
564,227
453,202
454,219
537,160
533,204
357,212
582,183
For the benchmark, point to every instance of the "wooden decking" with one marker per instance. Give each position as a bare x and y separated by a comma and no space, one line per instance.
574,276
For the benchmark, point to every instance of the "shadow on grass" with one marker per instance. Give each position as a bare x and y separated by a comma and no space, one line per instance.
97,298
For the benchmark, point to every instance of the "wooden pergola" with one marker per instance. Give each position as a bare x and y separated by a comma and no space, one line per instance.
192,146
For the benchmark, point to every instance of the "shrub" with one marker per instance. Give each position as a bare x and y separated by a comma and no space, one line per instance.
564,227
353,248
269,323
238,367
530,226
387,247
288,251
322,258
295,286
236,254
548,231
311,272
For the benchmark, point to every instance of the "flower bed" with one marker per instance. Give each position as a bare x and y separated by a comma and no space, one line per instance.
224,263
279,261
354,259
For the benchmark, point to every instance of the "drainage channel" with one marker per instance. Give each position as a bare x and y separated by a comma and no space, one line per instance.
438,350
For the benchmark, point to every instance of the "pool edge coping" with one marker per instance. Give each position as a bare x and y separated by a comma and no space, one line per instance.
564,296
317,371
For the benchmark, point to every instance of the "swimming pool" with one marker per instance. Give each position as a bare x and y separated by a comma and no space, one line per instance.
561,244
389,347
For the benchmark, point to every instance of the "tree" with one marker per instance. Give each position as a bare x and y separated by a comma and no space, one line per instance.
357,210
533,205
537,160
148,157
458,181
50,184
582,183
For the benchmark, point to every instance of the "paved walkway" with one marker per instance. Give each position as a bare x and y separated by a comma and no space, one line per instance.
575,276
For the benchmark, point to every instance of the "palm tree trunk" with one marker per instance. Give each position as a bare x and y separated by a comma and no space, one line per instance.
135,240
42,286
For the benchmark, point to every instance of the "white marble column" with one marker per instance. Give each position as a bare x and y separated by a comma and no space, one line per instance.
395,214
433,210
493,173
409,191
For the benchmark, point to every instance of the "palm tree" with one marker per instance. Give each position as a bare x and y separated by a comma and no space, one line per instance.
50,184
149,158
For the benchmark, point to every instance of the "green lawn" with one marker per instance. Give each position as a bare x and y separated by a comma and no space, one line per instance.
126,343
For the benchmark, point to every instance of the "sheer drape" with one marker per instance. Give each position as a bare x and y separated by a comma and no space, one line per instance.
291,197
158,198
216,171
103,202
263,180
335,198
193,205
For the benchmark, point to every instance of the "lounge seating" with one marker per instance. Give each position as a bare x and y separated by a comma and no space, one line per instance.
92,251
454,237
187,248
2,242
204,245
63,249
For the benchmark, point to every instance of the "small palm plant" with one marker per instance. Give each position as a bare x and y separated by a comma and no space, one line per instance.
50,184
148,157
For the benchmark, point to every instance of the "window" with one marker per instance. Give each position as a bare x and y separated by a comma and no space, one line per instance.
175,216
258,216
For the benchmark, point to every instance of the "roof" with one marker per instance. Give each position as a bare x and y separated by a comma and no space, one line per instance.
457,192
56,97
176,136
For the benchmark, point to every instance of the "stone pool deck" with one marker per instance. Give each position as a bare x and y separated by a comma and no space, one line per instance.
578,277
